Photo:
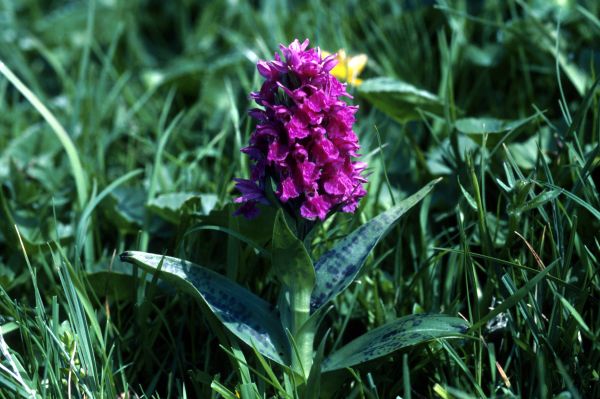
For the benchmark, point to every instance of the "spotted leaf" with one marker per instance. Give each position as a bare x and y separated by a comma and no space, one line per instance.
406,331
250,318
338,267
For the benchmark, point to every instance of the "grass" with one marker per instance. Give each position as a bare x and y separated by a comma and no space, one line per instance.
121,124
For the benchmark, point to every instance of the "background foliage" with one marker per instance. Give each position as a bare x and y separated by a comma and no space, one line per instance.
499,98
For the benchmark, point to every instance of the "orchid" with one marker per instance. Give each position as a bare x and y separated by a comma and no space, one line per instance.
304,154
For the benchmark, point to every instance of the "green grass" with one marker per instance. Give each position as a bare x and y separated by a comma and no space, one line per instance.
124,134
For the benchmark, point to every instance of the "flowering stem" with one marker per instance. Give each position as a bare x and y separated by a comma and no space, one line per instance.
303,337
294,268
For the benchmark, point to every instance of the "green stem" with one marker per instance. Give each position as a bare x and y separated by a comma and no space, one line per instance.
303,337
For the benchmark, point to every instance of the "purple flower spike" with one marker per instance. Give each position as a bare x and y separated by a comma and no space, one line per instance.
303,141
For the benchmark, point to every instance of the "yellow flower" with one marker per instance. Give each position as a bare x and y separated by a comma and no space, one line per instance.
348,68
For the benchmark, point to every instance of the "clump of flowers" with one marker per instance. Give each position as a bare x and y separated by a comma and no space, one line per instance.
303,142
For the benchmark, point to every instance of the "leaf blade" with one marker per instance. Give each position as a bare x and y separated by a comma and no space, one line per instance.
399,99
400,333
483,125
246,315
338,267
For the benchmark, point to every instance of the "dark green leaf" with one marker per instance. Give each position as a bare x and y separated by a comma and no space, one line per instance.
112,284
338,267
398,99
406,331
475,126
117,282
32,233
526,153
128,208
169,206
244,314
440,159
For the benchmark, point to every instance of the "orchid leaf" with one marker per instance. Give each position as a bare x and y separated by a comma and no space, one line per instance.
250,318
406,331
313,385
338,267
291,261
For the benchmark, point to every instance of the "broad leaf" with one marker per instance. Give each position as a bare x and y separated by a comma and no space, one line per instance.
34,149
338,267
127,207
250,318
118,282
487,125
477,127
400,100
170,206
526,153
116,285
406,331
31,232
440,158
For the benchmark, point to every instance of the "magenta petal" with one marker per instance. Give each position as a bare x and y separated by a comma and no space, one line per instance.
350,207
288,189
300,154
315,207
339,184
317,102
297,128
277,152
325,151
329,62
304,45
267,70
309,174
